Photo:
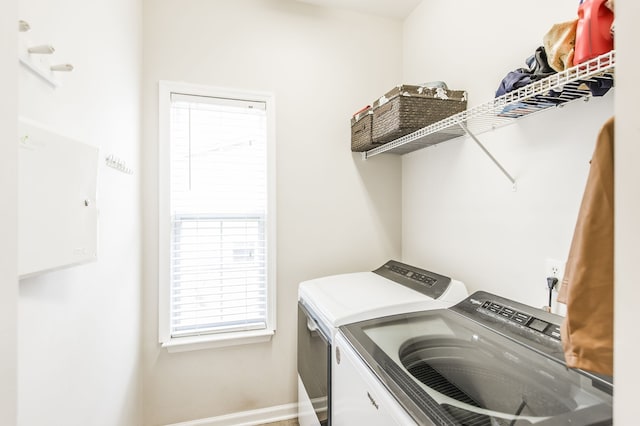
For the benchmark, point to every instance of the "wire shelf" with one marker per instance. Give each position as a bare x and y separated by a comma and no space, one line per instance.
553,91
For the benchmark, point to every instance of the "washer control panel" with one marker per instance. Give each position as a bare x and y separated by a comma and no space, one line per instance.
524,319
522,323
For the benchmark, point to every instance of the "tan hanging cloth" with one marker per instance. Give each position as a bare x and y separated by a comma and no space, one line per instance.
587,286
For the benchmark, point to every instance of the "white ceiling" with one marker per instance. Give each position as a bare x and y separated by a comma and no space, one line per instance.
397,9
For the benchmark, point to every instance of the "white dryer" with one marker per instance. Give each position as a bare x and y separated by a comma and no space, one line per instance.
324,304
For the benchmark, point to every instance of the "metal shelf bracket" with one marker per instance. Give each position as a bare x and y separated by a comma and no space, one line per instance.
486,151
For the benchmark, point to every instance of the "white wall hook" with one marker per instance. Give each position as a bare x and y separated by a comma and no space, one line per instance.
62,67
44,49
23,26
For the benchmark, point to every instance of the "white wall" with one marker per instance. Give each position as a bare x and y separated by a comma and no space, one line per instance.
460,215
336,213
8,213
79,328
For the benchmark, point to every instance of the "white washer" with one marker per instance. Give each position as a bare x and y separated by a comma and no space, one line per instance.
486,361
324,304
360,398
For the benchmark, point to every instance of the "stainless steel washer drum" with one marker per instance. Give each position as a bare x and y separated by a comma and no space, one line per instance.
477,375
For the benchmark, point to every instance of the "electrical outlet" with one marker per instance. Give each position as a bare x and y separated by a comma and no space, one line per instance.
554,268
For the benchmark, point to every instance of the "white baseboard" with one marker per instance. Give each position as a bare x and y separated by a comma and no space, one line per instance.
248,418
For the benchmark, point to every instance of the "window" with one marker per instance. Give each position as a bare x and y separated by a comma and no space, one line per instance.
216,216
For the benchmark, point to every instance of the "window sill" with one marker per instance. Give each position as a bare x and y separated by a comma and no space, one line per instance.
194,343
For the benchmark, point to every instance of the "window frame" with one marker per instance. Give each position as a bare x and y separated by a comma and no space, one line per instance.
213,340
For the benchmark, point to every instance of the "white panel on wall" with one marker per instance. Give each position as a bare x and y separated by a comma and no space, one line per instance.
58,218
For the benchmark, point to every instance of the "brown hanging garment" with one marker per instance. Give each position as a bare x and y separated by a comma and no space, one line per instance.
587,286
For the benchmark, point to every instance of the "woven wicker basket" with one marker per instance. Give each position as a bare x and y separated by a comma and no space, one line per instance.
361,131
405,109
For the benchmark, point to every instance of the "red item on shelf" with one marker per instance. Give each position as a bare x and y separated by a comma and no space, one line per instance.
593,34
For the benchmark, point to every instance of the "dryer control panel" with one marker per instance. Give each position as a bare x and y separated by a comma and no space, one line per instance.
423,281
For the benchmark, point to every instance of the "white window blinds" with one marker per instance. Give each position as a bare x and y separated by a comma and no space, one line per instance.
218,209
